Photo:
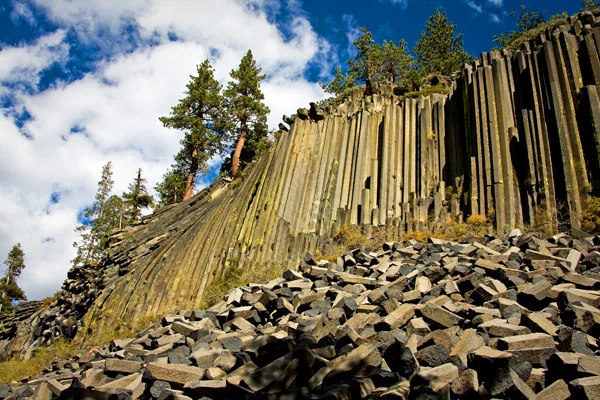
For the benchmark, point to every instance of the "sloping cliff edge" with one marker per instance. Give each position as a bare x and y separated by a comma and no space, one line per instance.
518,132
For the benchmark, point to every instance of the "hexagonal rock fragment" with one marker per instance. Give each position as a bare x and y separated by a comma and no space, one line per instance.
439,317
466,385
208,388
586,388
400,316
173,373
400,359
528,341
122,366
438,378
559,390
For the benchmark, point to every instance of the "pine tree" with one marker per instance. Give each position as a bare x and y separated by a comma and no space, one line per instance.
590,5
387,63
395,60
248,113
340,83
440,51
367,65
98,221
172,187
9,288
199,114
136,199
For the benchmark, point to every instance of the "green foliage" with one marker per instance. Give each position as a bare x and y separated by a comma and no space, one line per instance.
428,91
99,220
590,220
200,115
17,369
413,80
340,83
136,199
386,63
171,189
440,50
9,290
529,26
232,277
246,111
590,5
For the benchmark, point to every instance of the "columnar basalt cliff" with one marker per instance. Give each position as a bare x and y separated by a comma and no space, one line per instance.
518,132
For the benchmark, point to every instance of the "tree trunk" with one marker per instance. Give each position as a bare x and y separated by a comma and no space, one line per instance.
235,159
189,183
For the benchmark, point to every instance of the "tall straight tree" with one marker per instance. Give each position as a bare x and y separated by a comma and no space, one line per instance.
245,107
15,263
136,199
198,114
440,50
98,221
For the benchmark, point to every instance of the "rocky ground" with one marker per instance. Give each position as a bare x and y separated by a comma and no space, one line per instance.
514,319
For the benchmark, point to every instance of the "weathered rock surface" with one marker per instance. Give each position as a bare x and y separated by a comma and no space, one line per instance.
517,131
325,346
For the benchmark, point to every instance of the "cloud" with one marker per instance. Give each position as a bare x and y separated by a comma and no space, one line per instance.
21,65
402,3
497,3
478,8
22,12
352,33
495,18
111,113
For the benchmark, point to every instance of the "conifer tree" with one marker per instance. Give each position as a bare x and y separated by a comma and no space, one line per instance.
440,50
396,60
198,114
9,289
366,66
340,83
98,221
245,107
172,187
387,63
590,5
136,199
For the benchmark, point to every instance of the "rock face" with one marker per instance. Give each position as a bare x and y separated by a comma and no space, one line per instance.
319,333
518,130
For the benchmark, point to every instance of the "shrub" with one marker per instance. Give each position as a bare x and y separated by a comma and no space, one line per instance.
428,91
590,219
50,300
515,39
17,369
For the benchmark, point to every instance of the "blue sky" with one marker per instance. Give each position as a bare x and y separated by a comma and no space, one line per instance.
84,82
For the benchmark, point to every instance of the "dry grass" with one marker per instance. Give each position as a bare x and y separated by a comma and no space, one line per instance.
49,300
16,369
476,226
233,277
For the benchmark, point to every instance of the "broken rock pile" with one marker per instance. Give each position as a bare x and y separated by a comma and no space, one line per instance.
515,319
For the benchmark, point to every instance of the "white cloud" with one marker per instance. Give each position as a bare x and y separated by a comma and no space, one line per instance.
497,3
22,11
116,108
478,8
402,3
495,18
23,64
352,32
